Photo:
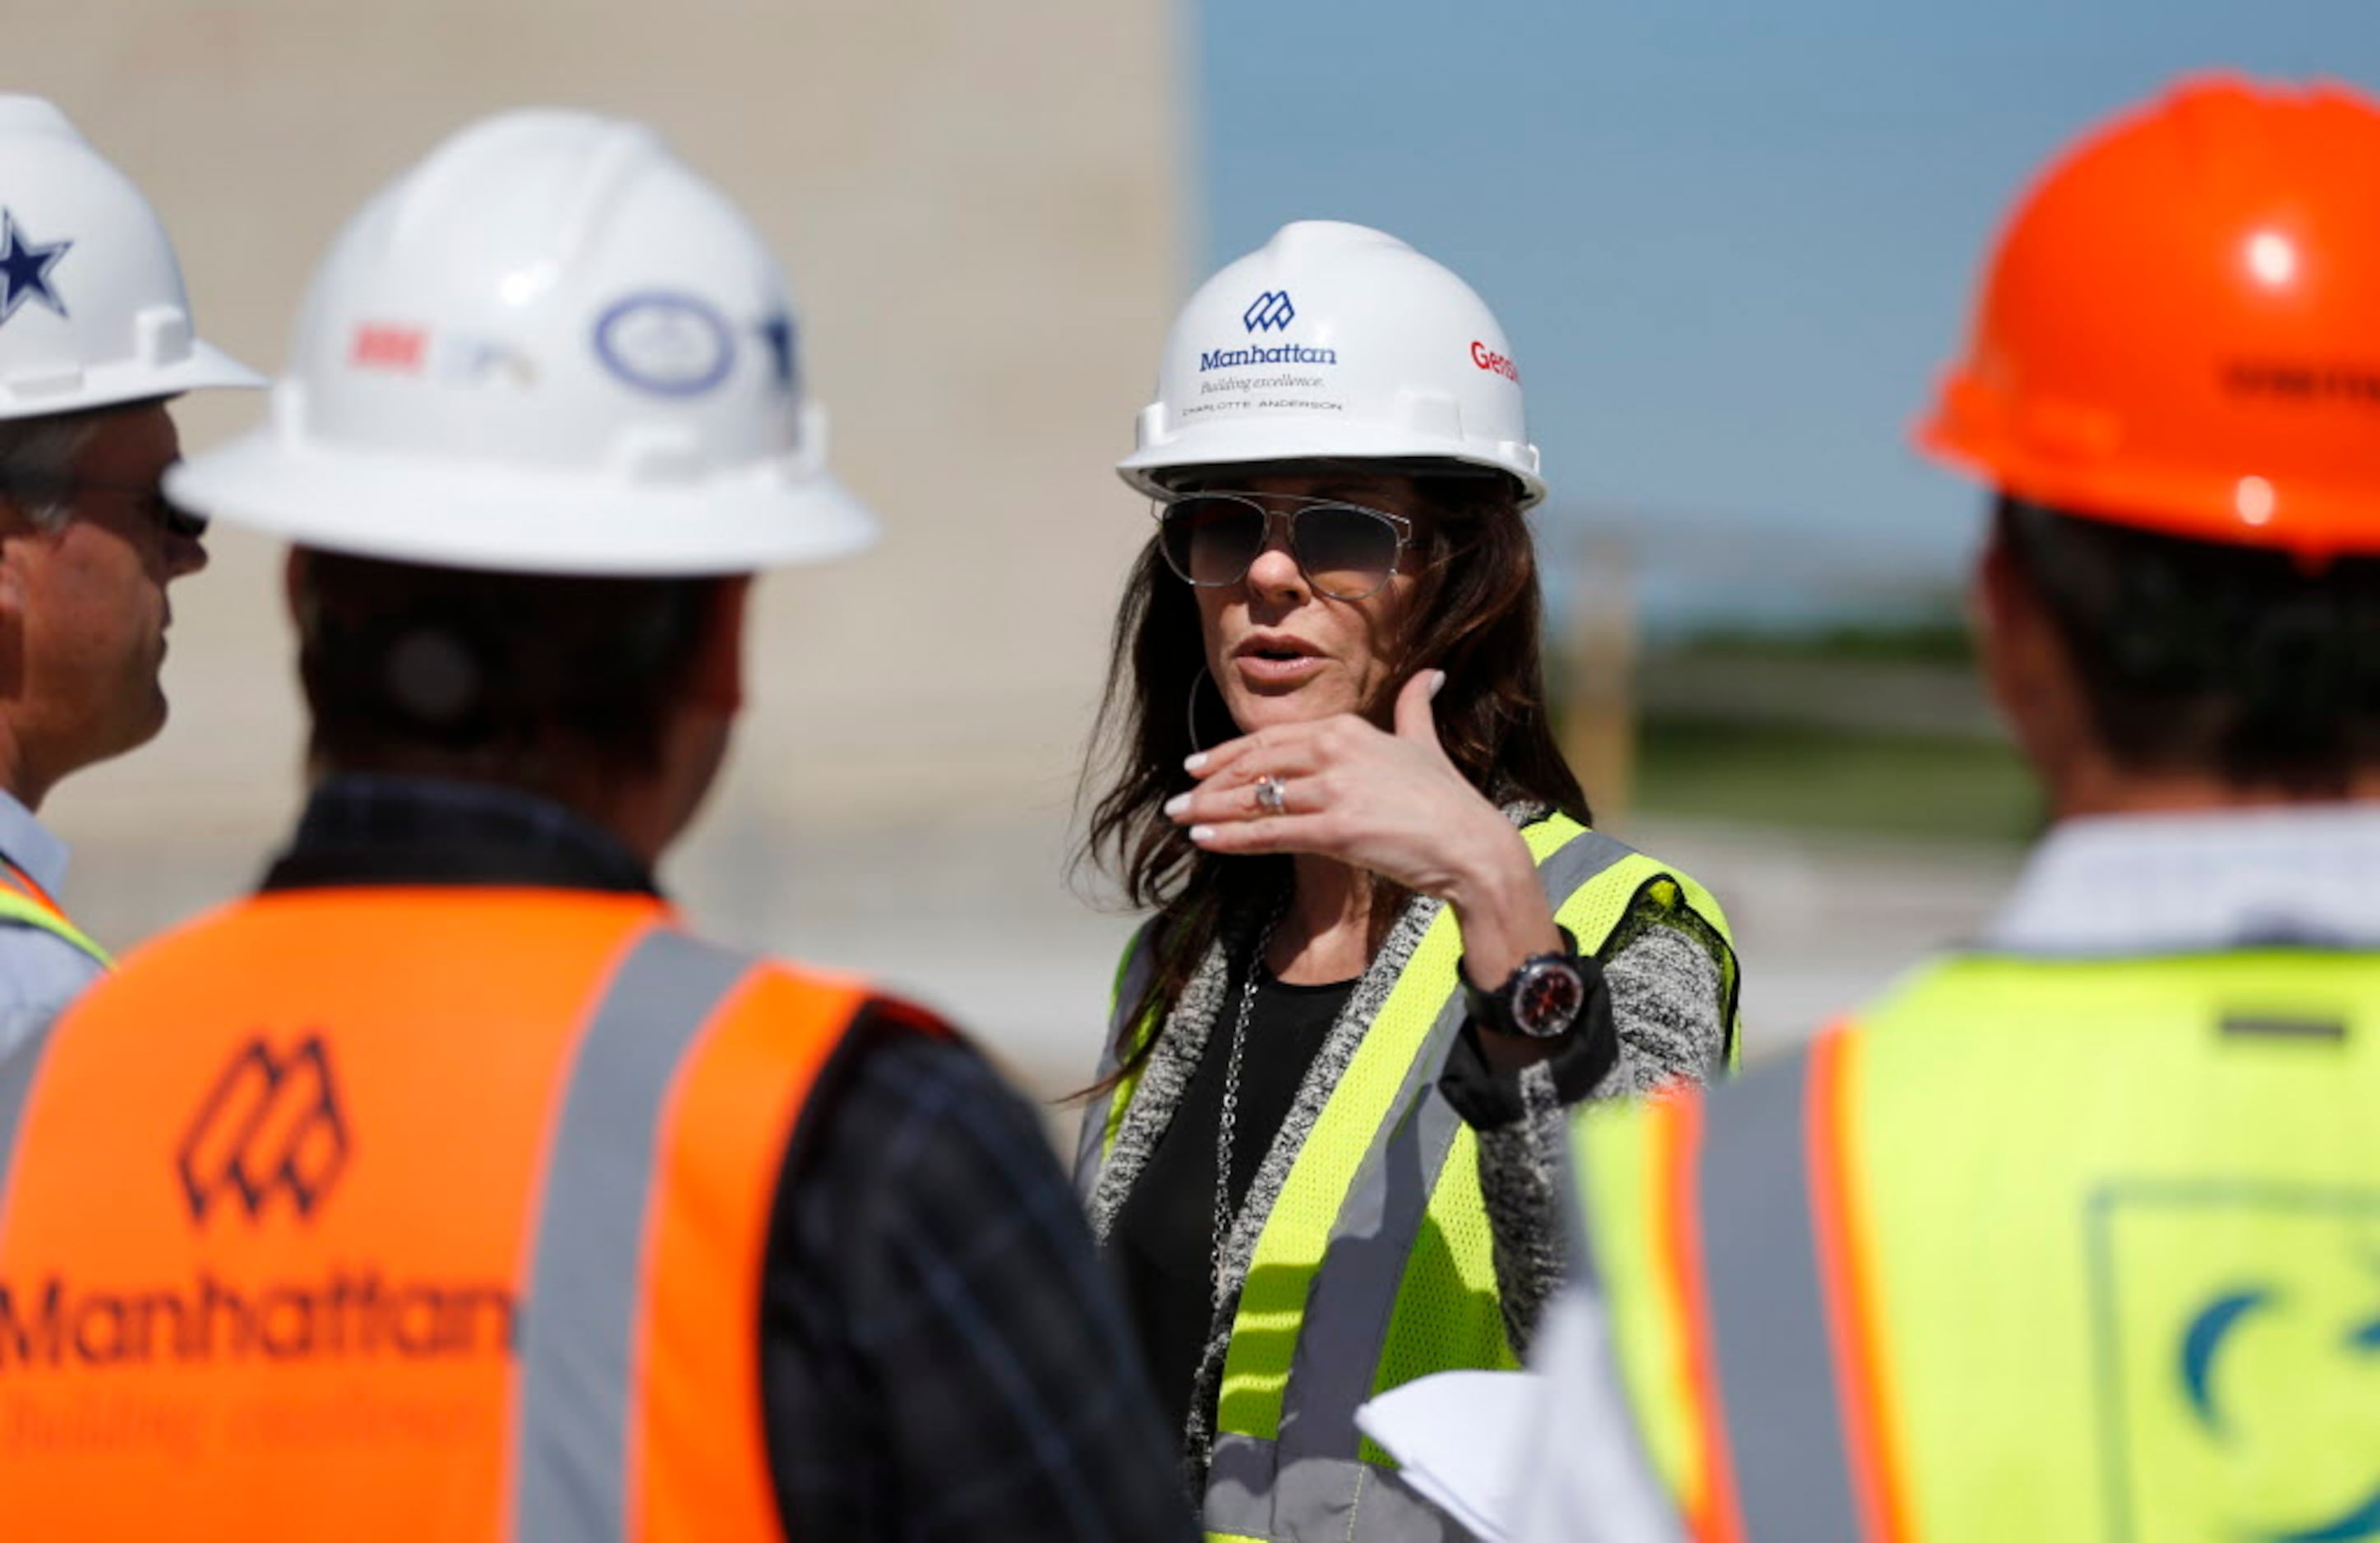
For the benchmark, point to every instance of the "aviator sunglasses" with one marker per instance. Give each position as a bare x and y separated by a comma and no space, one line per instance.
1345,550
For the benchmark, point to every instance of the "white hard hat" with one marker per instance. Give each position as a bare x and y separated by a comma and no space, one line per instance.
1334,341
91,307
549,347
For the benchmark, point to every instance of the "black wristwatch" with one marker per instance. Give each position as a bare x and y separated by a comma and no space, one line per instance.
1542,999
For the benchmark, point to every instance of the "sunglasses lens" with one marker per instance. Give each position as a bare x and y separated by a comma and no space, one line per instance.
1346,552
1211,541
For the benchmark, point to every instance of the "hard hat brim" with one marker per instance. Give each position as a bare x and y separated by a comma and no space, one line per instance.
1972,431
479,515
204,367
1239,441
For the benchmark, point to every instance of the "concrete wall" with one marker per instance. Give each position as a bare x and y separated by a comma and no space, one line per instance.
979,208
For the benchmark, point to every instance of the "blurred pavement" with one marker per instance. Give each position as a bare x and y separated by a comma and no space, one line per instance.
968,908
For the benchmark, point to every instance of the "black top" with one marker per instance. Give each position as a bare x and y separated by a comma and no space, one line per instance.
941,1357
1161,1244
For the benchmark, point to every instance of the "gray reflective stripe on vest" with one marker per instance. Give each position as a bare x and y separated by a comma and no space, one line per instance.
1355,1291
1251,1489
579,1332
1140,962
17,1069
1584,856
1768,1317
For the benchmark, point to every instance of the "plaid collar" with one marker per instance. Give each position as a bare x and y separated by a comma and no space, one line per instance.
372,828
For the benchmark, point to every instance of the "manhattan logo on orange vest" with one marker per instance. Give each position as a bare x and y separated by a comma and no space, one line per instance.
269,1130
269,1139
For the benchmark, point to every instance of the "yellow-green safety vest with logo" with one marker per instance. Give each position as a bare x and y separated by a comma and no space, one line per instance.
1374,1265
2039,1249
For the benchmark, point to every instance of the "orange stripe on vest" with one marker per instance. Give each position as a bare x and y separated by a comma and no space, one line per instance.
709,1238
1714,1514
1849,1290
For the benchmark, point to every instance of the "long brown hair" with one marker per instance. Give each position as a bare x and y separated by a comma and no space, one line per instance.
1476,613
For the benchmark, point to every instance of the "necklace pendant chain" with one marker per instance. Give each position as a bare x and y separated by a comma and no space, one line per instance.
1227,1216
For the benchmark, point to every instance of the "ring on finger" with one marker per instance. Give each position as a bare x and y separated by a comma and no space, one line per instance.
1272,796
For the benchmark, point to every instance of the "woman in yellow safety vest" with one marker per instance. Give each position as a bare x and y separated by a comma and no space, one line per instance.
1388,951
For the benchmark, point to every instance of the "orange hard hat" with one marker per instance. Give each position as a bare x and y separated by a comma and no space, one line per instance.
2180,330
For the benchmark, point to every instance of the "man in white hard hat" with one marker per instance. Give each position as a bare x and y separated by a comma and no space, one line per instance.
95,335
449,1187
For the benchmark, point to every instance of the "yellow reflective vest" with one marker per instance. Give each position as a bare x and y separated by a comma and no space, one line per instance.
2038,1249
1374,1265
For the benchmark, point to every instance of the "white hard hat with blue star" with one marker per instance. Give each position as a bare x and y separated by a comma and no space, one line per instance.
92,312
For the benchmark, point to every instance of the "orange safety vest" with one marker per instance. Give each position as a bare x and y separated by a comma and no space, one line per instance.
402,1213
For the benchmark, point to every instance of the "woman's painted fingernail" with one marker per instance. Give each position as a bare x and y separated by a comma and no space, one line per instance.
1195,762
1176,804
1438,684
1202,834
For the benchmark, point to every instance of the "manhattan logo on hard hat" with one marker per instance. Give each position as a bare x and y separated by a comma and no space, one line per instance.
665,342
25,267
270,1128
1271,309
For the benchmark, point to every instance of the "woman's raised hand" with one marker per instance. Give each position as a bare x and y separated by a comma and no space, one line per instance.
1392,804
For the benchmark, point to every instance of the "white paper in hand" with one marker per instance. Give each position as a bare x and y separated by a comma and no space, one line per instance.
1548,1456
1455,1435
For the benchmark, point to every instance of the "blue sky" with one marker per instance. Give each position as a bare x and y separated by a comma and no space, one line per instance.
1734,242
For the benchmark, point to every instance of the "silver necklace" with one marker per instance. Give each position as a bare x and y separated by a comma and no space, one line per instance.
1226,1123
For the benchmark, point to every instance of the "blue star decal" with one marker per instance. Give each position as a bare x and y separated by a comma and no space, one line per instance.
25,270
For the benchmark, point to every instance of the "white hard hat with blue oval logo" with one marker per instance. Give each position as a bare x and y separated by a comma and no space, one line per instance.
549,347
92,312
1334,341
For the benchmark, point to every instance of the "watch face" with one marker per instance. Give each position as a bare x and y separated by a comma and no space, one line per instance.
1548,996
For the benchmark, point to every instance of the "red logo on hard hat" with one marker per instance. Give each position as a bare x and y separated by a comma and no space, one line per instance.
1489,358
379,345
